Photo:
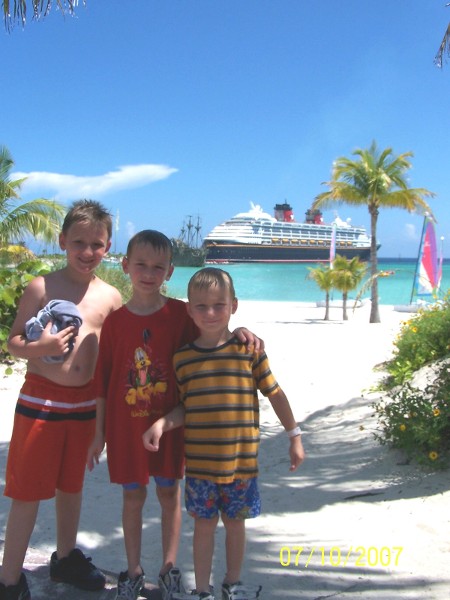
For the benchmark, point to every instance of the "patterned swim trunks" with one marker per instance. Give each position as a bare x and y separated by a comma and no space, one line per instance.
237,500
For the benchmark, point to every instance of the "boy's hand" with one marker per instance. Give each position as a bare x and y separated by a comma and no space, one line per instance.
296,452
95,449
56,344
249,339
152,436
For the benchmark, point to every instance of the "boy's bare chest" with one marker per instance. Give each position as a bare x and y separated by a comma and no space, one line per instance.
92,304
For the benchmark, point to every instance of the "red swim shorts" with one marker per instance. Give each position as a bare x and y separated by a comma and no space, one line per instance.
53,428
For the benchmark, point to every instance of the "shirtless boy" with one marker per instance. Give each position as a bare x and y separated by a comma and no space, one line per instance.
55,414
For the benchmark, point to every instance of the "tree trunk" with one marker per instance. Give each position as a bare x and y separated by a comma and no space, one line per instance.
327,307
374,311
344,306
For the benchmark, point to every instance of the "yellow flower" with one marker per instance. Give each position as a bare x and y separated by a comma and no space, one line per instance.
402,427
436,412
414,329
433,455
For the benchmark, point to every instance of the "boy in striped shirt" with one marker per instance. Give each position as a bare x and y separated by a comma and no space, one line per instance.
218,379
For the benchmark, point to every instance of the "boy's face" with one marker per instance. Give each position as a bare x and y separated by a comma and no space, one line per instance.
85,245
211,308
148,268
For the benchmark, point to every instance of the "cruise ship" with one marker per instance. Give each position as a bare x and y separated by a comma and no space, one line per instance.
256,236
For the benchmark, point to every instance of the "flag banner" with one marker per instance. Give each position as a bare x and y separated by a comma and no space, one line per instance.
427,279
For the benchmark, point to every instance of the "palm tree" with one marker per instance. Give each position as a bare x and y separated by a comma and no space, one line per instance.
40,8
377,180
39,218
323,276
347,274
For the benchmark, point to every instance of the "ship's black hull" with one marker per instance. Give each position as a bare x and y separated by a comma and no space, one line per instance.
253,253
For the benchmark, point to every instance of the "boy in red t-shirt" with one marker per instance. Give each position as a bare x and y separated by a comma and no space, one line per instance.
135,386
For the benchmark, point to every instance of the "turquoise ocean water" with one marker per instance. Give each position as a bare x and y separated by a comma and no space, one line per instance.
289,282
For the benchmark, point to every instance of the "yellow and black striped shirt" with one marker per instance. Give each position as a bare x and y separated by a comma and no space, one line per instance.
219,389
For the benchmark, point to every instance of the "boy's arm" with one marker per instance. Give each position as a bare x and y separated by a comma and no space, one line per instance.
283,410
98,443
48,344
173,419
250,339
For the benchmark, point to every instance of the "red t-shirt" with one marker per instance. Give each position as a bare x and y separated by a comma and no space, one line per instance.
134,374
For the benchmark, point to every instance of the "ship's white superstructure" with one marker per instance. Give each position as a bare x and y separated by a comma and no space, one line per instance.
257,236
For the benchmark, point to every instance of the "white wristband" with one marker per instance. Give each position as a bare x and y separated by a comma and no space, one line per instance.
294,432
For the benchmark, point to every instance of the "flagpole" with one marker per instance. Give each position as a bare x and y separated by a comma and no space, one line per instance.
441,265
333,244
116,231
414,287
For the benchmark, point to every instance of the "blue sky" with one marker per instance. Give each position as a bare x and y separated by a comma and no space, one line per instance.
166,108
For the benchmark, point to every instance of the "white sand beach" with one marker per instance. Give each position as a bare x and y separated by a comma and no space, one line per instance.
354,521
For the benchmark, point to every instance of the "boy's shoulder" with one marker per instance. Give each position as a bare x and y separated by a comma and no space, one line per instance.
108,289
174,302
175,306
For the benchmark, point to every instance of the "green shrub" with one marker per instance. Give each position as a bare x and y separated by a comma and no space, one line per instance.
12,284
116,277
422,339
418,421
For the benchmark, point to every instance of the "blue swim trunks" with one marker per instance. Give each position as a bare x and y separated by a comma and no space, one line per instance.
161,481
238,500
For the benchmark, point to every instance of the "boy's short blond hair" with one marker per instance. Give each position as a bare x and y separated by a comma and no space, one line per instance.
158,240
88,211
209,277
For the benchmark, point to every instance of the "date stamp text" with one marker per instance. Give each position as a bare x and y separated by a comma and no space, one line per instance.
358,556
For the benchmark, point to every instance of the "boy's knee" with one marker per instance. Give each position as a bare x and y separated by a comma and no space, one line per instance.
168,494
135,496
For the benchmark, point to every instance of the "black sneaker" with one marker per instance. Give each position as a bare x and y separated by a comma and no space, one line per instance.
78,570
20,591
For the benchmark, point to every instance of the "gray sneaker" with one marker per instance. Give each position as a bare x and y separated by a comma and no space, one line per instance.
194,595
171,584
201,596
239,591
129,589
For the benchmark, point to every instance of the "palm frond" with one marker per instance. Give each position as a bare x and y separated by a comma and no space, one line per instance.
17,10
444,48
40,218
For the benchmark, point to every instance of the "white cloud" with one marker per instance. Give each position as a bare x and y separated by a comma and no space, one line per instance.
411,232
71,187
